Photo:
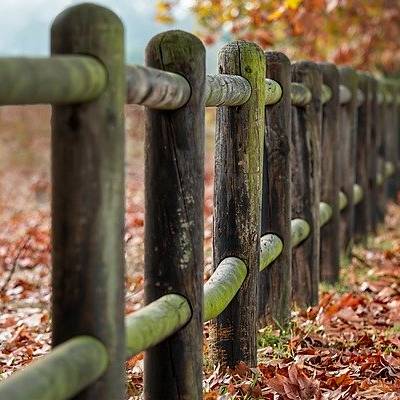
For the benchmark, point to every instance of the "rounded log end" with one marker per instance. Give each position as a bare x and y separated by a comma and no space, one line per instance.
166,44
276,57
79,15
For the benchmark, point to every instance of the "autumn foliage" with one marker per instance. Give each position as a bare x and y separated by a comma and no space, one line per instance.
361,33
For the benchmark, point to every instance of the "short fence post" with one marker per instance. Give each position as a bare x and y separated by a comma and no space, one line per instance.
88,198
362,223
330,247
275,283
174,198
237,199
373,156
306,171
348,132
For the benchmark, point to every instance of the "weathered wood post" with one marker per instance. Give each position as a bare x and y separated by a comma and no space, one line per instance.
88,197
275,283
392,138
237,199
330,247
306,171
373,156
348,135
174,198
362,223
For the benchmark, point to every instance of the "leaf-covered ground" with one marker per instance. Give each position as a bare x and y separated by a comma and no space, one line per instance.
345,348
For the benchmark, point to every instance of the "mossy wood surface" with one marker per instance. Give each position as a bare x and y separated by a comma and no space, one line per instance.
237,199
174,198
59,375
330,245
155,322
56,80
305,188
275,283
226,90
88,198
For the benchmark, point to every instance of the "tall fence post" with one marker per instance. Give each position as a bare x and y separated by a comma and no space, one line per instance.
330,247
306,171
348,135
174,198
88,198
381,148
373,156
237,199
392,139
362,223
275,283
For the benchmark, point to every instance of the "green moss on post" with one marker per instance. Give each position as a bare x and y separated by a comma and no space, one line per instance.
59,375
88,198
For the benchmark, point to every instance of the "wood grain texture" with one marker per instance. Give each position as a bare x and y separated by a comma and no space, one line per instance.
174,196
306,174
330,247
155,88
88,198
237,200
275,283
362,221
347,139
54,80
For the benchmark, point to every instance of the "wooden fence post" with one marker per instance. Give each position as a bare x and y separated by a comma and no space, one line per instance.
373,156
348,132
174,197
393,139
275,283
237,199
306,171
362,223
330,247
88,198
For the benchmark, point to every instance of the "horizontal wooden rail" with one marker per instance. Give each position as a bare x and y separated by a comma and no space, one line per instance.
325,213
155,322
163,317
55,80
344,94
326,93
59,375
155,88
299,94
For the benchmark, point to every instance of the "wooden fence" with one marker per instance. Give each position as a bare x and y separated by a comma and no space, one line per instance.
306,158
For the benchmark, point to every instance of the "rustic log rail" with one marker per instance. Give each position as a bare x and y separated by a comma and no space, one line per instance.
87,83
